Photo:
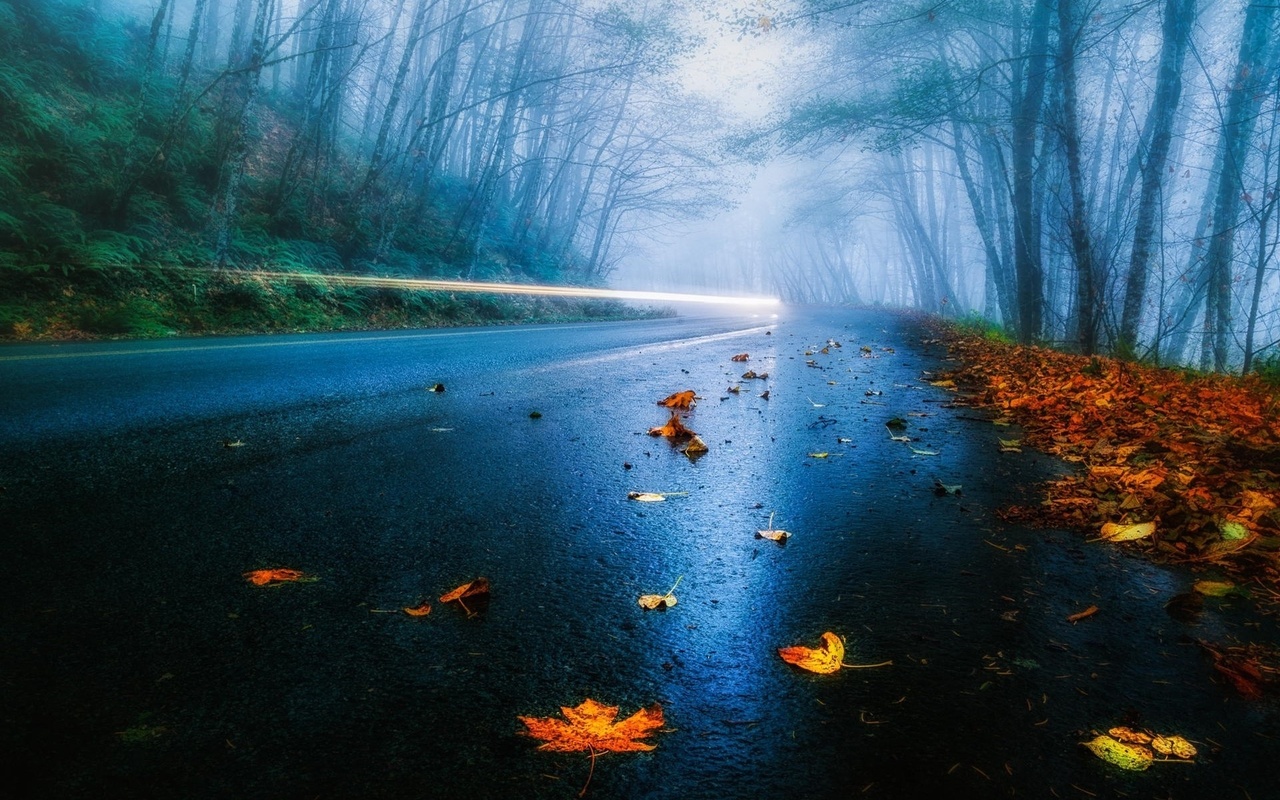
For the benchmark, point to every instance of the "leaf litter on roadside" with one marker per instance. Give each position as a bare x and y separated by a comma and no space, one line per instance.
653,497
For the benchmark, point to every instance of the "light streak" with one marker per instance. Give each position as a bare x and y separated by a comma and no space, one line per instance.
433,285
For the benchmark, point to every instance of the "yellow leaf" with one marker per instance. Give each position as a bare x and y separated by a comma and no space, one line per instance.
1114,532
1125,756
780,537
1173,746
1213,588
823,660
695,447
818,455
418,611
650,602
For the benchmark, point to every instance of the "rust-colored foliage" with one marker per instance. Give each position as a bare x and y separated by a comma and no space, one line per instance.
418,611
740,357
674,429
591,727
681,400
1198,454
272,577
477,587
1251,669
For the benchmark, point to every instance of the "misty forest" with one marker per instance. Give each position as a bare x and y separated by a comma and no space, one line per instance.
1098,176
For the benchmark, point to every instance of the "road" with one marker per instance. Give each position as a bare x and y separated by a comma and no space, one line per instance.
140,480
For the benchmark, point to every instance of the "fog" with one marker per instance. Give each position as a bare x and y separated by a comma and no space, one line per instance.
1102,176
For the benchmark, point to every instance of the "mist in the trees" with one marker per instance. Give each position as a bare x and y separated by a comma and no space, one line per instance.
1099,175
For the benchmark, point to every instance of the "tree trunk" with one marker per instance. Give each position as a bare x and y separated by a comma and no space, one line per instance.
1179,15
1242,109
1078,224
1026,120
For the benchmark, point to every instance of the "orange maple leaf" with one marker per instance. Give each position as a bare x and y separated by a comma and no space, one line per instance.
591,727
674,429
740,357
682,400
268,577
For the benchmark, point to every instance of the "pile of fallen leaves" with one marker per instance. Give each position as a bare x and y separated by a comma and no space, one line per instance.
1197,455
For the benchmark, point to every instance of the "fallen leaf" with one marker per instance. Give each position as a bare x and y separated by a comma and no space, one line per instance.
772,534
1115,532
646,497
740,357
591,727
231,443
274,577
674,429
944,489
1079,615
1129,735
764,395
418,611
896,422
653,497
753,375
842,440
1125,756
1213,588
823,660
1232,531
734,389
651,602
924,452
439,387
477,587
682,400
818,455
815,405
696,447
1011,443
1173,746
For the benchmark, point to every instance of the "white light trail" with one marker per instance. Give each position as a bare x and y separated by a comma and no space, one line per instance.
431,285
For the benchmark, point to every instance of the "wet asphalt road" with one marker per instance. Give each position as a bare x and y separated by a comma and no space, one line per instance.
137,662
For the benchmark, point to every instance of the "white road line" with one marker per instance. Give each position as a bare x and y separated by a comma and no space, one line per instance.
619,353
252,345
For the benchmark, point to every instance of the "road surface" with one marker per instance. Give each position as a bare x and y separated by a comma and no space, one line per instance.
140,480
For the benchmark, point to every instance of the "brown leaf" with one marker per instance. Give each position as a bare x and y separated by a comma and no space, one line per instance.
740,357
674,429
477,587
591,727
418,611
681,400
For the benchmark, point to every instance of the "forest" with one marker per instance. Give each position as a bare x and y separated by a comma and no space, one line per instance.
1097,176
153,155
